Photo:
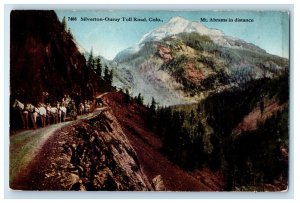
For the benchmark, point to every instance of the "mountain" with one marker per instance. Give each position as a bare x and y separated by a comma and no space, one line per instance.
178,25
182,62
46,63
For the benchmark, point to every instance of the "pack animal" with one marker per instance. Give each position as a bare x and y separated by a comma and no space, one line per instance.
23,112
33,114
42,114
52,114
62,112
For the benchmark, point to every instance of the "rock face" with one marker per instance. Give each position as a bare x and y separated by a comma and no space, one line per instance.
96,155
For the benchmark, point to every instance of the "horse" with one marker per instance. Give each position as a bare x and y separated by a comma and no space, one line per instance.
81,108
33,113
52,112
23,112
87,107
42,114
62,112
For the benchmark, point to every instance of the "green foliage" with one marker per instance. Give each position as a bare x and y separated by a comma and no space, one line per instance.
182,134
139,99
98,66
199,42
258,158
91,62
201,135
64,23
108,75
70,33
127,96
151,115
94,63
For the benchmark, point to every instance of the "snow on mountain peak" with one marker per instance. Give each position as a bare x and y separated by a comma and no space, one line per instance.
178,25
174,26
178,20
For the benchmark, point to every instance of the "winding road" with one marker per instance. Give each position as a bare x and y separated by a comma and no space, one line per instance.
25,145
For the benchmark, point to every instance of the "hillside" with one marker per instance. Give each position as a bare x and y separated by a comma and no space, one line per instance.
148,146
242,132
46,61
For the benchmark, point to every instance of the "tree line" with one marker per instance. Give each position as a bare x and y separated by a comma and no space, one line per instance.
94,63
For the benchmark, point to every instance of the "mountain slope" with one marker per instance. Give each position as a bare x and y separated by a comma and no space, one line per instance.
183,62
242,132
45,60
148,145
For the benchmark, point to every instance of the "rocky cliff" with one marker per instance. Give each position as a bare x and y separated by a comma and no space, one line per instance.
45,61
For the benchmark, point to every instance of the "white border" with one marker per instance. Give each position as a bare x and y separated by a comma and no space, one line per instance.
4,78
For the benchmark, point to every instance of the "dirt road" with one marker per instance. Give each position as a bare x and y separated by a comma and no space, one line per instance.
25,146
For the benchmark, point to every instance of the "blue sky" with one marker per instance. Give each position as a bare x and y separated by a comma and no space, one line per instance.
270,29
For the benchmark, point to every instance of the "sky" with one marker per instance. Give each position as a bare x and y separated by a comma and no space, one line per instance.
269,29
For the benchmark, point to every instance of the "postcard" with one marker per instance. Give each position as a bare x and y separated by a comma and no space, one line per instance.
149,100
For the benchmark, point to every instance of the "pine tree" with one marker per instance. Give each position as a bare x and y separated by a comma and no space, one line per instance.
139,99
64,23
127,96
108,75
150,116
153,105
98,67
90,62
111,73
70,33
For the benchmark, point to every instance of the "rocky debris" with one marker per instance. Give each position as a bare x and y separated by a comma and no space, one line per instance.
96,155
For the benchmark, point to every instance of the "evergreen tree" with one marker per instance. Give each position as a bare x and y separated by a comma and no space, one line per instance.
98,67
153,105
150,116
111,73
90,62
139,99
127,96
108,74
64,23
70,33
